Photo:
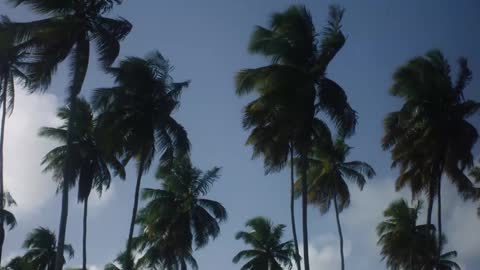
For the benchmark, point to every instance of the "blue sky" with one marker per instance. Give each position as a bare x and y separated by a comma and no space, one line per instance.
206,42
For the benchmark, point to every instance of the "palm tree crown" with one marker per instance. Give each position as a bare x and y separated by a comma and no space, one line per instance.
177,217
432,124
71,27
92,161
328,172
41,245
140,108
267,252
404,244
7,217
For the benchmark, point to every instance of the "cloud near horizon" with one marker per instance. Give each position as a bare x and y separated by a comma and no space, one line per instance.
359,223
24,150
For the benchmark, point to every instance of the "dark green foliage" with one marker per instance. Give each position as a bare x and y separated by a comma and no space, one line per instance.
18,263
430,134
267,251
13,64
68,31
91,155
407,245
92,158
328,173
123,261
137,112
177,217
7,217
139,109
293,89
41,245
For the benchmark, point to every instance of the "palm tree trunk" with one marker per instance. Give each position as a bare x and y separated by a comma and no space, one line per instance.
135,207
2,135
79,74
339,230
67,181
304,210
431,197
292,210
439,214
84,240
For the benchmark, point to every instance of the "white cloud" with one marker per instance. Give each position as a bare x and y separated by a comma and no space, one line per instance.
24,150
96,201
324,251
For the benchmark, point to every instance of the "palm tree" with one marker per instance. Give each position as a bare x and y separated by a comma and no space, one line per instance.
439,260
327,175
68,31
122,262
42,249
267,252
6,217
293,88
404,244
18,263
445,262
430,136
91,160
139,110
177,217
475,173
12,65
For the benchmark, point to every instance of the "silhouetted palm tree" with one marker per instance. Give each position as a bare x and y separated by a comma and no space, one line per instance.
123,261
445,262
404,244
12,67
176,218
328,173
42,249
292,89
267,252
475,173
430,136
438,260
91,160
18,263
68,31
6,217
138,111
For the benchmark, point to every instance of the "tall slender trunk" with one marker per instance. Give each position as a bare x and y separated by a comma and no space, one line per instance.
2,136
67,181
304,210
134,210
431,199
337,215
84,240
292,210
439,214
79,74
